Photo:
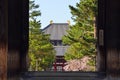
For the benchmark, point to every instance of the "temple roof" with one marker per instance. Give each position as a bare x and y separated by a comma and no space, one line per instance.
56,30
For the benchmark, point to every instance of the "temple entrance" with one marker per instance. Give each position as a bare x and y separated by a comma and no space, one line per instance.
71,43
14,44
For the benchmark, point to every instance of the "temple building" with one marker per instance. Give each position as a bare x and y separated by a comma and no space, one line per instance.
57,31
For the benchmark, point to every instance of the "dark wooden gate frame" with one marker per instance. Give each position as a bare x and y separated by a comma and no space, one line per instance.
108,27
14,27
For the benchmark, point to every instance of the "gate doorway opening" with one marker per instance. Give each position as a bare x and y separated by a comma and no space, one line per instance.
14,39
74,45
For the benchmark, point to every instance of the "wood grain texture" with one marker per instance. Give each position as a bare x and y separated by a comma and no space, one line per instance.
3,39
101,54
113,62
17,37
3,62
108,20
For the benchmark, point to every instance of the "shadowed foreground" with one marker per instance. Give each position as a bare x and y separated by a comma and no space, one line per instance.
63,76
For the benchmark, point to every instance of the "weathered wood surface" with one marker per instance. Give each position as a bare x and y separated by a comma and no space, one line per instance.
18,27
101,55
109,21
112,37
3,62
13,37
3,39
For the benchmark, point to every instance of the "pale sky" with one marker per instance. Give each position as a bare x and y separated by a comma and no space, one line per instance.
56,10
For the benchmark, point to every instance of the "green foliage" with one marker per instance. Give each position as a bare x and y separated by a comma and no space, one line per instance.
80,36
41,51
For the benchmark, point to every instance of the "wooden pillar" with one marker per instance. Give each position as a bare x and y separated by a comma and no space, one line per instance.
3,39
101,53
109,22
62,66
113,37
14,27
55,66
18,27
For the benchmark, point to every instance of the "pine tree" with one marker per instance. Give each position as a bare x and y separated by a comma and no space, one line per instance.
41,51
80,36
